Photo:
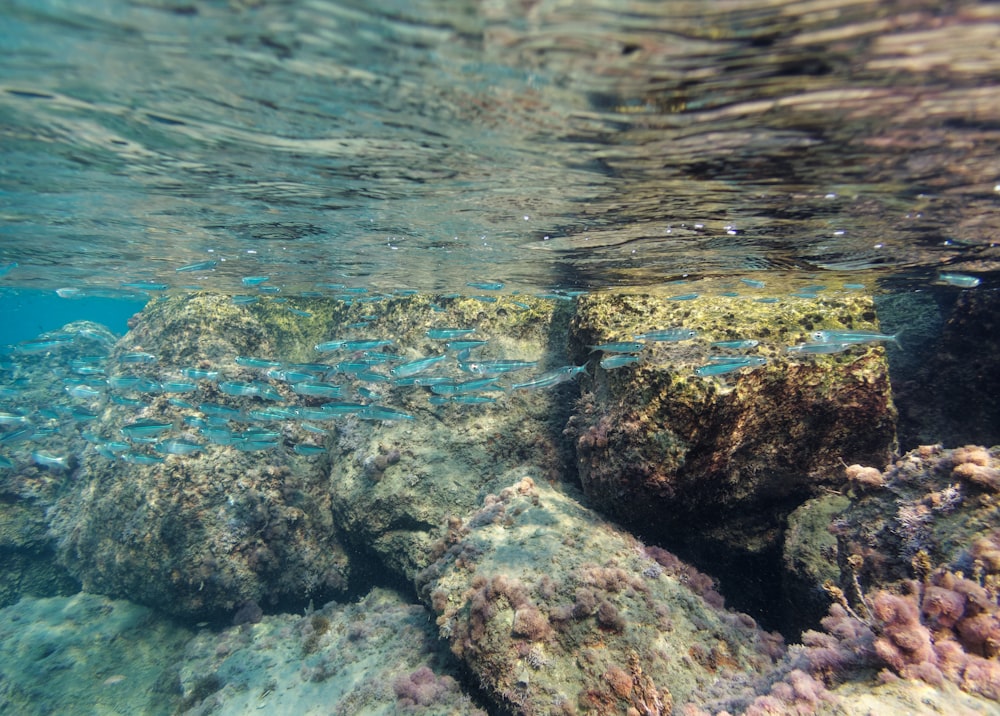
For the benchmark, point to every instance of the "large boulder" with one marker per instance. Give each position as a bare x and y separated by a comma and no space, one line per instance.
558,611
681,455
200,534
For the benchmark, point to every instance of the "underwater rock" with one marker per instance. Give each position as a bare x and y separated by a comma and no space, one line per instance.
88,654
196,534
376,656
950,393
809,558
214,479
27,564
557,611
683,456
937,508
919,559
393,483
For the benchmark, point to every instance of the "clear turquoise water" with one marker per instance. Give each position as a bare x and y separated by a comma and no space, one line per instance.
33,312
673,146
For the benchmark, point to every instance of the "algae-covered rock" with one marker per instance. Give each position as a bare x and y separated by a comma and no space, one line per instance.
201,535
932,508
237,519
27,564
393,483
672,451
949,392
809,558
376,656
556,610
234,499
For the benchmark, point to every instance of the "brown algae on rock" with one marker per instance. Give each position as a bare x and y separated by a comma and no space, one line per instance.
556,609
655,439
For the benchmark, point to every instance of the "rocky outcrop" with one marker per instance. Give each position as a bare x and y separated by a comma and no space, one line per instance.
675,453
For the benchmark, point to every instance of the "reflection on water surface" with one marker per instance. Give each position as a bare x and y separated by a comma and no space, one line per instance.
546,144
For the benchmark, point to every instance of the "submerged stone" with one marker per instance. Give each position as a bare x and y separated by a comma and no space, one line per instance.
694,458
197,534
555,609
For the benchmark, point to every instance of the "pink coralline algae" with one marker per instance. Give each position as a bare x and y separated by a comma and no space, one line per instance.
423,688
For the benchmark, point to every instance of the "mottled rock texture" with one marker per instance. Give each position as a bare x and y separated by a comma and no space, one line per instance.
202,534
669,451
948,380
556,610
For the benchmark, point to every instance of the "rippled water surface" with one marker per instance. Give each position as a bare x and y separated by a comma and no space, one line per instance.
427,143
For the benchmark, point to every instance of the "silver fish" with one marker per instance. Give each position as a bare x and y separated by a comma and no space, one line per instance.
552,377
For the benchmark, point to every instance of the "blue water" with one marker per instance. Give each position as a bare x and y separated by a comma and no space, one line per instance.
361,151
28,313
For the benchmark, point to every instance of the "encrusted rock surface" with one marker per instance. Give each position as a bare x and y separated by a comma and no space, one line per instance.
376,656
88,654
198,535
673,453
544,605
556,610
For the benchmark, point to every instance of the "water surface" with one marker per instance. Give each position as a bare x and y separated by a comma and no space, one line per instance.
421,144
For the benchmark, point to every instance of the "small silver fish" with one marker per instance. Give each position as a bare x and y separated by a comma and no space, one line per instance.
619,347
486,285
852,337
50,461
959,279
495,367
818,348
619,360
721,368
200,266
84,392
248,362
177,446
238,388
667,334
199,374
447,334
414,367
737,345
550,378
138,357
307,449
